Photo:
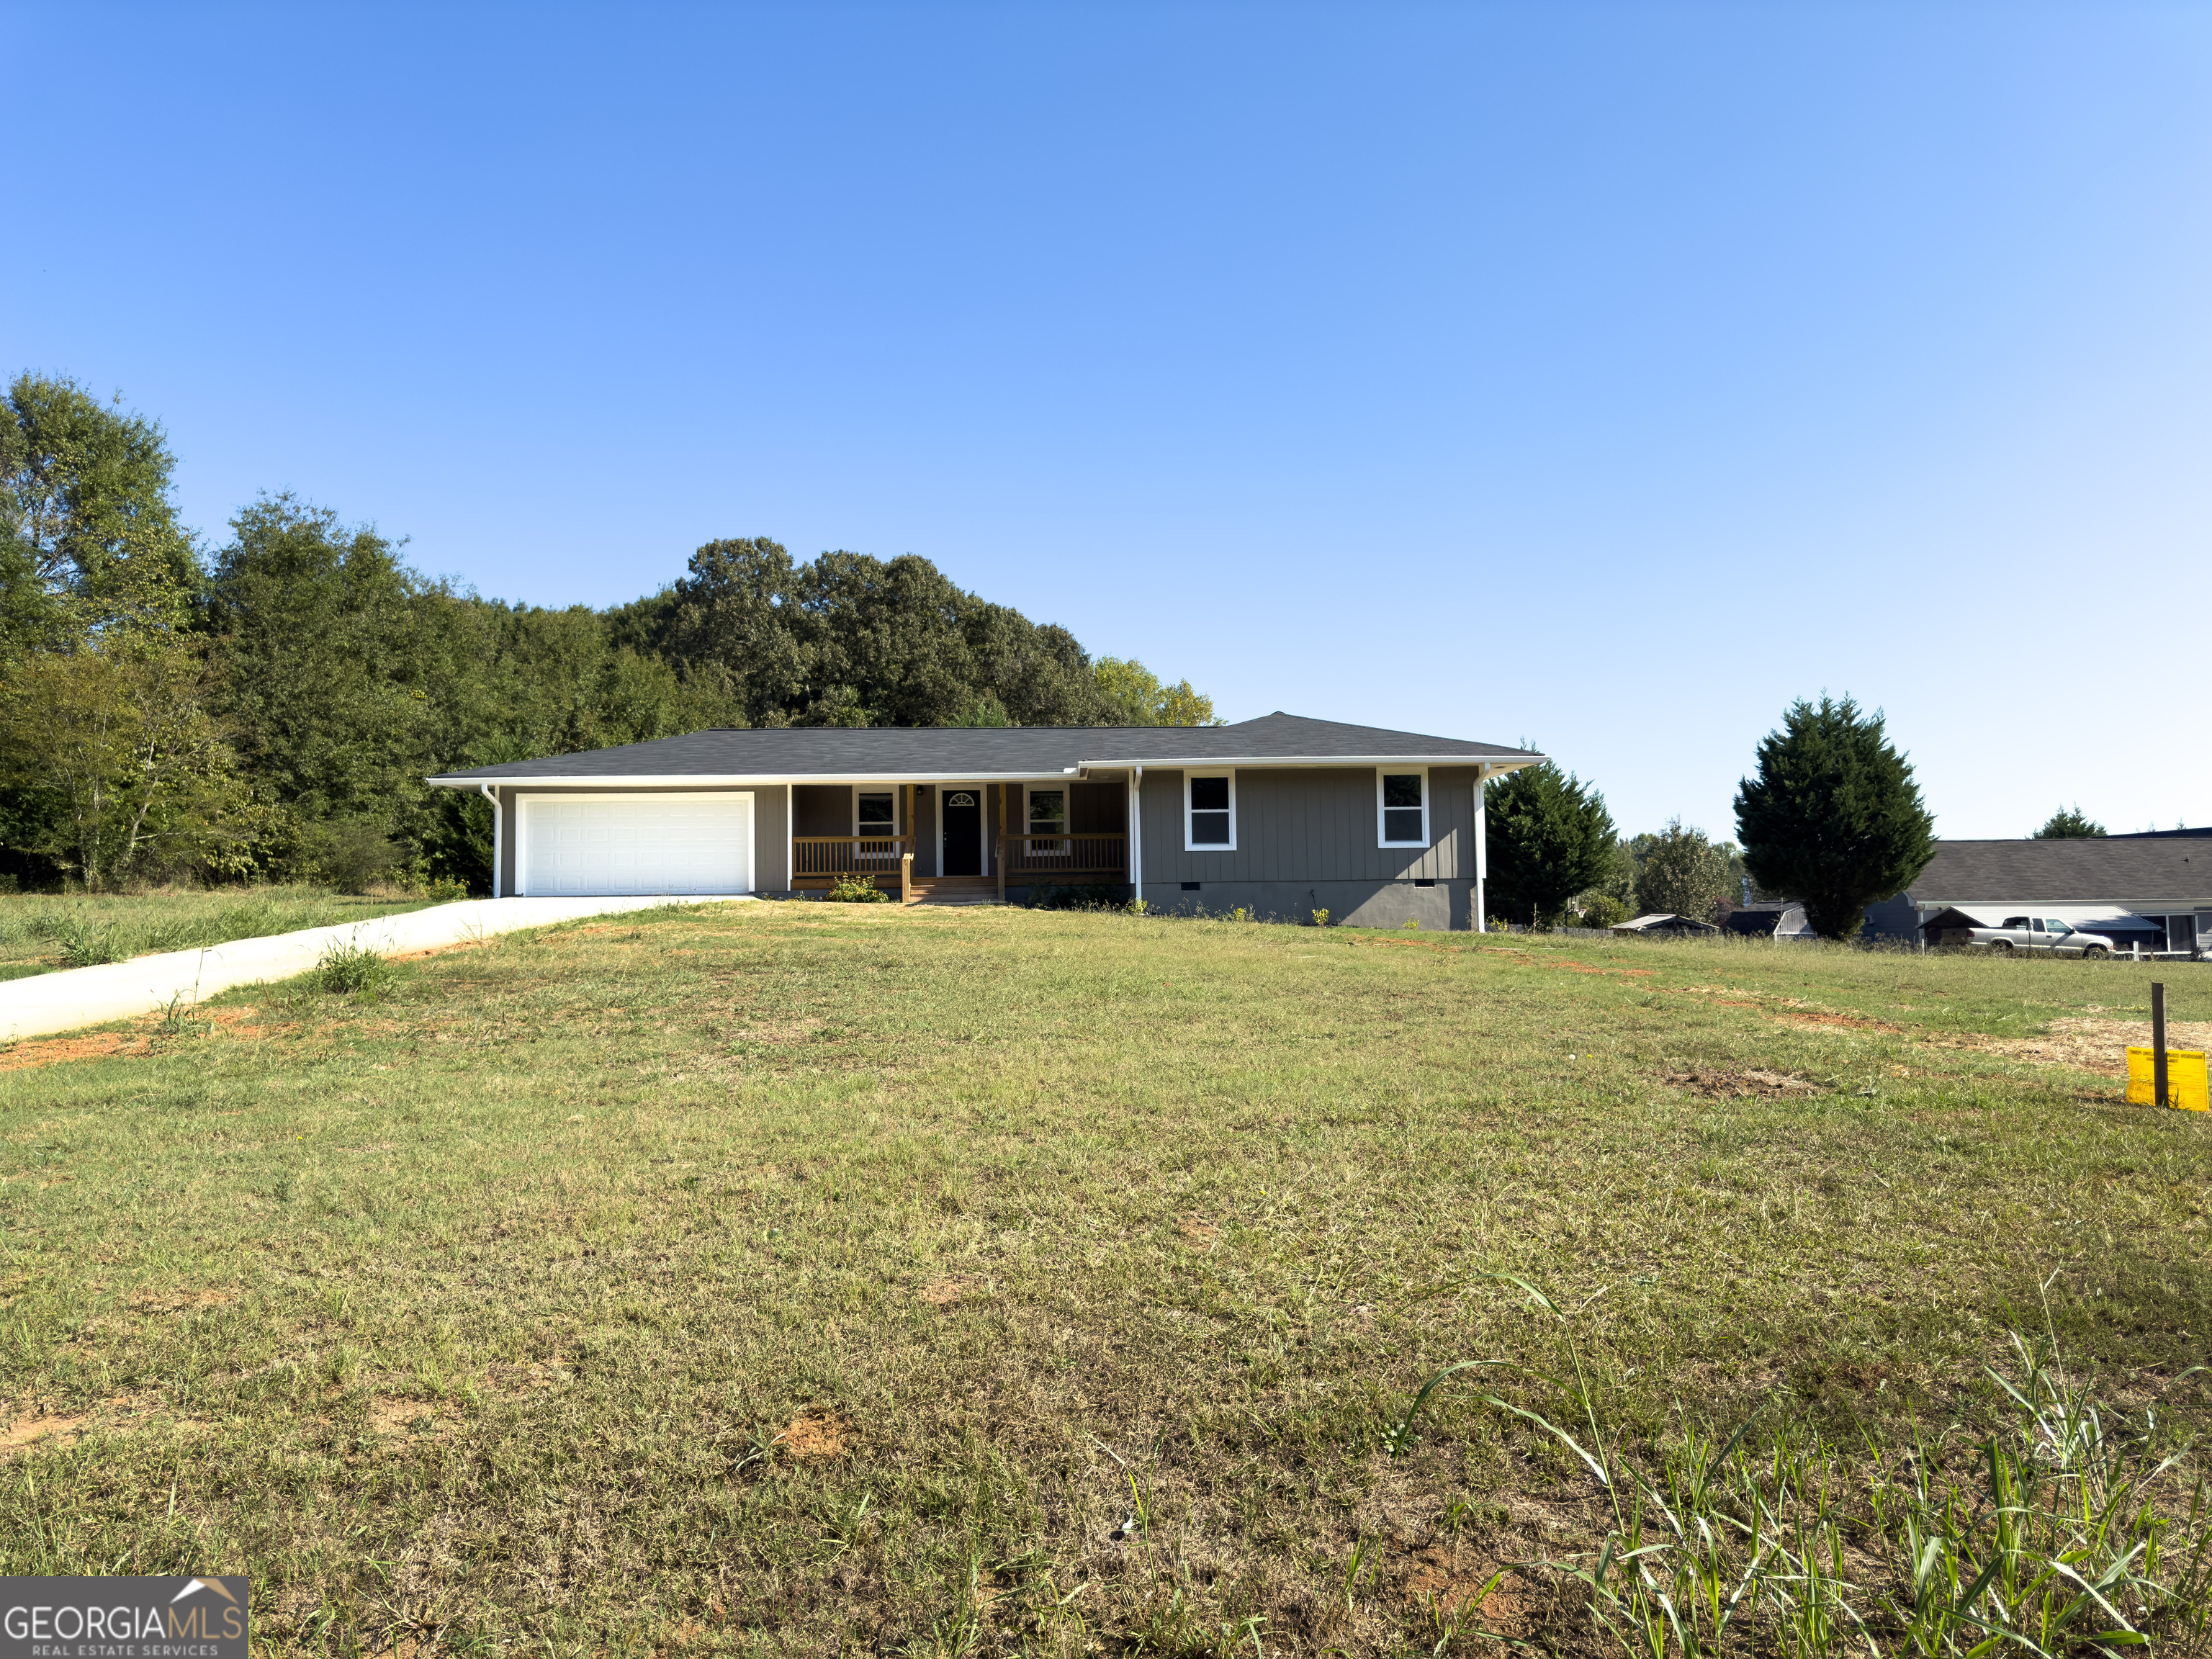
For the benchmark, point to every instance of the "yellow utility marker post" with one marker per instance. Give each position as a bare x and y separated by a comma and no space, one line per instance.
2158,1076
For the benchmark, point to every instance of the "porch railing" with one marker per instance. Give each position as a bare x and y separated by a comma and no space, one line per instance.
1061,857
848,855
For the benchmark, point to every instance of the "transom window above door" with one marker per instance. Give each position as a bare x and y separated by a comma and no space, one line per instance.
1209,814
1403,806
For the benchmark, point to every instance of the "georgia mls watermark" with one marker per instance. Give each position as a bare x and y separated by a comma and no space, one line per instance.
122,1618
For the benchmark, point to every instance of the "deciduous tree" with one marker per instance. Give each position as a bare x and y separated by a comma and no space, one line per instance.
116,731
86,508
1682,871
1134,696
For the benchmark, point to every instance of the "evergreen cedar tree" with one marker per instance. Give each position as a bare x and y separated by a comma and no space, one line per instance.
326,677
1550,837
2068,823
1833,819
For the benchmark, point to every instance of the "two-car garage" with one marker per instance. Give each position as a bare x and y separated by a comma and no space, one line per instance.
578,845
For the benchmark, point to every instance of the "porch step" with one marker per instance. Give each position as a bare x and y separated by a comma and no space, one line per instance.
955,890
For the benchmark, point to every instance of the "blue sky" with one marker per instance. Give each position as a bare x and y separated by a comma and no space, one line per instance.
1606,375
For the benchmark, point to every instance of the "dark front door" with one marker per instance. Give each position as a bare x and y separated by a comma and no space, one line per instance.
963,832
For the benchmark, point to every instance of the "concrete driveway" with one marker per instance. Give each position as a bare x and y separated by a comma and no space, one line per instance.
77,997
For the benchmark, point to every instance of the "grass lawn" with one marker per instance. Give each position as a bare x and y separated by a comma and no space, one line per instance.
778,1278
38,934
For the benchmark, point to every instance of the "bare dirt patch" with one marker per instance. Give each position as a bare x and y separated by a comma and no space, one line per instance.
1199,1234
1741,1082
33,1053
813,1433
2086,1045
1453,1586
944,1292
29,1056
29,1431
1847,1022
389,1414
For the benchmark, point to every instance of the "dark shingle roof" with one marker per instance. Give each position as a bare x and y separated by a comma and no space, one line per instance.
2088,870
987,751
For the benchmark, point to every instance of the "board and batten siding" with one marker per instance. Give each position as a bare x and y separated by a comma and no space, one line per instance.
1311,824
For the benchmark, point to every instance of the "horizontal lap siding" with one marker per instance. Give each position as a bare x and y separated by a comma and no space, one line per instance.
1311,824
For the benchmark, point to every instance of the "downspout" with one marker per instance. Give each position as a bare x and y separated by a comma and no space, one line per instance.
1137,833
1481,844
498,821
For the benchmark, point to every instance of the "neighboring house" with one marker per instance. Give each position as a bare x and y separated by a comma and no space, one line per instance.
2153,888
1769,919
1281,815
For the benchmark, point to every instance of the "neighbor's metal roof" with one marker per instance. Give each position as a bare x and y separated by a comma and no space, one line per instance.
2087,870
988,751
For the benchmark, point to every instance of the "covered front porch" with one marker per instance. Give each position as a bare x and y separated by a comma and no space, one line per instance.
948,841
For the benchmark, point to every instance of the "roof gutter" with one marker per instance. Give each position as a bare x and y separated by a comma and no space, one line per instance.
738,779
1495,764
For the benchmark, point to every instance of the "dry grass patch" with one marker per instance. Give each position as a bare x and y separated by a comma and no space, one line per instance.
819,1432
2089,1044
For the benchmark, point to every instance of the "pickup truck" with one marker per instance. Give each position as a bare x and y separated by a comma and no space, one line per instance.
2038,933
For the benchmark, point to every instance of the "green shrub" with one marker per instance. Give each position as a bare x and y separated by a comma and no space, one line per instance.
444,889
856,889
352,855
1604,911
1321,918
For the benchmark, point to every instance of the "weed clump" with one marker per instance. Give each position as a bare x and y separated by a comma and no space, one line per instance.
82,945
348,966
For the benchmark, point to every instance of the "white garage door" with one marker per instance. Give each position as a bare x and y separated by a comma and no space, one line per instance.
589,845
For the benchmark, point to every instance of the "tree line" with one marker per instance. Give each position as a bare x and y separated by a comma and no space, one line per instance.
268,708
1831,818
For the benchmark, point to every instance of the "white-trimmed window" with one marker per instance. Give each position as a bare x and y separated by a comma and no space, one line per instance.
1401,807
1209,811
1047,811
875,812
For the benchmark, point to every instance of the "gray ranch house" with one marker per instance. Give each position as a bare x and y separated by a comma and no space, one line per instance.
1280,815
